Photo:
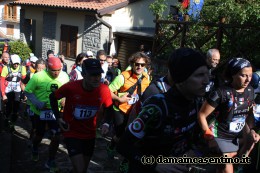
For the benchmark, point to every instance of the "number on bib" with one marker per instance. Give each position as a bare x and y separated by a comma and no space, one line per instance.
47,115
135,98
82,113
237,124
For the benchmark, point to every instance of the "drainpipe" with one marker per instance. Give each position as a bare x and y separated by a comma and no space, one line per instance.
110,32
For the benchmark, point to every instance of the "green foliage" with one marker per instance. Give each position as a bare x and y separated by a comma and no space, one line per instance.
20,49
236,41
158,7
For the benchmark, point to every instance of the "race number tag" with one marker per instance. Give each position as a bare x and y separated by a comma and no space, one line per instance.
237,124
83,113
256,110
47,115
134,99
14,79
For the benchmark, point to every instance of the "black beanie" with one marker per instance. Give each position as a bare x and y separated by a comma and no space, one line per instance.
183,62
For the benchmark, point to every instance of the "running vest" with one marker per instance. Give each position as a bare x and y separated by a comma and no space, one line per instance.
13,80
129,81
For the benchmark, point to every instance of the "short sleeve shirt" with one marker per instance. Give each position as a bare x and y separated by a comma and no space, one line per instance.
82,107
42,85
238,105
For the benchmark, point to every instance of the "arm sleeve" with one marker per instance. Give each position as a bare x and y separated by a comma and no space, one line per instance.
33,99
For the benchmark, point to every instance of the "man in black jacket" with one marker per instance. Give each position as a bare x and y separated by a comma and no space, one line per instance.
165,126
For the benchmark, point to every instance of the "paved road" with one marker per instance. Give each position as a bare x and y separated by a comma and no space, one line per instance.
20,157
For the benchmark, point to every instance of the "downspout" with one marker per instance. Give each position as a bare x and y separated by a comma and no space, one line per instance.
110,32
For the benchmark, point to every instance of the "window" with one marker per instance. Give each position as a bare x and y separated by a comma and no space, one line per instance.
10,12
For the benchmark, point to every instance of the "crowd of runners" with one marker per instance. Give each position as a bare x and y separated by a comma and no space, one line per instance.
195,111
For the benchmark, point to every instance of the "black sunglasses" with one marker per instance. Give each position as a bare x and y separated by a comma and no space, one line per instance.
140,64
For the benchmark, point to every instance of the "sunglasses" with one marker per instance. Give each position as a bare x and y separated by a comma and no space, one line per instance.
102,60
140,64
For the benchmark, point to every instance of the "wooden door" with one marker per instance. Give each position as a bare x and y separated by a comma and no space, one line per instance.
68,41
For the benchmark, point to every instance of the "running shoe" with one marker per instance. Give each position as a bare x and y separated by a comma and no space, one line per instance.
35,156
123,167
51,165
110,152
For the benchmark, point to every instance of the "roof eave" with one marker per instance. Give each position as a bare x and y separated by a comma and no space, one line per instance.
58,7
112,8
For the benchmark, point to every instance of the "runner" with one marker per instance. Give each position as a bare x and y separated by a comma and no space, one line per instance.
165,126
4,61
83,101
11,81
233,104
40,65
75,74
37,91
129,86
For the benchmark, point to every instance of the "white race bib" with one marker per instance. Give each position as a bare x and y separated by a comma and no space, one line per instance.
14,79
134,99
237,124
47,115
83,113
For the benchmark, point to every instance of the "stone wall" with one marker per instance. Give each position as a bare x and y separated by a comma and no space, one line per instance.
92,35
49,32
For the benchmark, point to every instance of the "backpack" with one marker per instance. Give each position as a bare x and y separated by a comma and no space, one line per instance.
10,75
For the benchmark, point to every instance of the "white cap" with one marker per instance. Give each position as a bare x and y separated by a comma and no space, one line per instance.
89,53
33,59
15,59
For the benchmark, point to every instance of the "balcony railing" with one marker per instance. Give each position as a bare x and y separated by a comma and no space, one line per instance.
10,18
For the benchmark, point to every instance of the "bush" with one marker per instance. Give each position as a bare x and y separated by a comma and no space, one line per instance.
21,49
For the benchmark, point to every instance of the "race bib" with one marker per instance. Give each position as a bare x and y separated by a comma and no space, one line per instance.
14,79
83,113
47,115
134,99
256,109
237,124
